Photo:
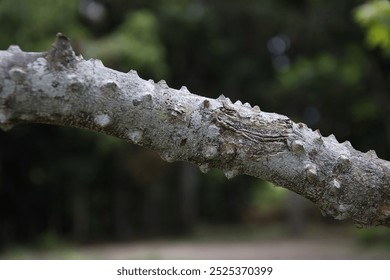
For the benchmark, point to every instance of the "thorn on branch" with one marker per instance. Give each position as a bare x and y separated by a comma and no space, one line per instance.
17,74
102,120
204,168
297,147
229,174
135,136
184,89
206,104
210,151
61,54
108,87
167,156
256,109
5,125
311,172
343,164
14,49
163,84
133,72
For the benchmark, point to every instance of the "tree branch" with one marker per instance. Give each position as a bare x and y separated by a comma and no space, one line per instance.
57,87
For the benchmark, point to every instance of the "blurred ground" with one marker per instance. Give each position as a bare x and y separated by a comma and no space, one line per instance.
326,242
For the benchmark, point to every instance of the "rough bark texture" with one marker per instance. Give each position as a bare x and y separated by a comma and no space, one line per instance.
57,87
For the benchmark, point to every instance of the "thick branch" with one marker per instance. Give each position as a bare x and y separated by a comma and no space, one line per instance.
60,88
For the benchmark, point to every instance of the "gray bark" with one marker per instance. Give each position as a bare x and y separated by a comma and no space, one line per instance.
57,87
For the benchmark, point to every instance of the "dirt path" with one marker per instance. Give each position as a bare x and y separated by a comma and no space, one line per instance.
224,243
281,249
276,249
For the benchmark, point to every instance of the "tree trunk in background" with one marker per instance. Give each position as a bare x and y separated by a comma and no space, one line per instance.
121,219
80,208
296,219
151,206
189,185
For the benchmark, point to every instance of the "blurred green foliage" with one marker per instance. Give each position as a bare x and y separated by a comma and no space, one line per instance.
374,16
267,198
307,59
374,237
135,42
30,23
308,70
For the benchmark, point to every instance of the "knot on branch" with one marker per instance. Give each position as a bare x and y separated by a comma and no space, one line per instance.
61,54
